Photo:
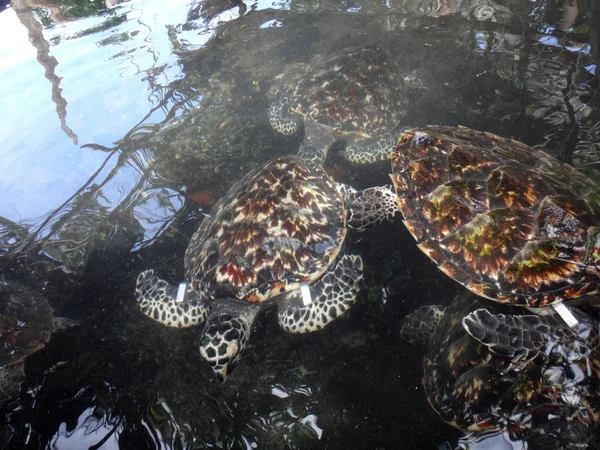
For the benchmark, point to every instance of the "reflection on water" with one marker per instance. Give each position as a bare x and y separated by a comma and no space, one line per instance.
123,121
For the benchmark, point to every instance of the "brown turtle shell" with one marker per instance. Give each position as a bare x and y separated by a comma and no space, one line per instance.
358,91
474,389
278,227
26,322
509,222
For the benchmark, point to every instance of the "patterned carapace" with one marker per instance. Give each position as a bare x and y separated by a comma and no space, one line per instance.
509,222
280,226
357,91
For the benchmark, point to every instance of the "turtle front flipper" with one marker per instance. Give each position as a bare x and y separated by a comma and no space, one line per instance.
420,325
158,300
370,207
528,337
226,334
329,298
369,150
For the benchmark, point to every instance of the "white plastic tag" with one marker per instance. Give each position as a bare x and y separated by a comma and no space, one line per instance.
181,292
566,314
306,296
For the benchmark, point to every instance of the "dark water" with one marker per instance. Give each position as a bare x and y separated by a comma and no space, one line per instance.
120,123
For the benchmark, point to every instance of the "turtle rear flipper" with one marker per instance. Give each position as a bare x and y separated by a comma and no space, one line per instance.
330,297
419,325
528,337
370,207
317,141
158,300
369,151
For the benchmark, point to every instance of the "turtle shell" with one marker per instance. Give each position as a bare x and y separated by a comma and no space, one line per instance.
278,227
358,91
509,222
26,322
476,390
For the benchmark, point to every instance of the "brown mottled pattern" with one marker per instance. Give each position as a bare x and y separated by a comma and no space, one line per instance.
357,91
453,204
474,389
277,227
508,221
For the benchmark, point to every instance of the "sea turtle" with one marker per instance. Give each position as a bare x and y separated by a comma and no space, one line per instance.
26,323
275,237
509,222
357,95
544,394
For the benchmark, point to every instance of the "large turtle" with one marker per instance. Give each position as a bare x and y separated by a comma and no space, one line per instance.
357,95
26,324
509,222
547,396
275,237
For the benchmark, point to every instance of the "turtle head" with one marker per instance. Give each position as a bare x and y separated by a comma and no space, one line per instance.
225,336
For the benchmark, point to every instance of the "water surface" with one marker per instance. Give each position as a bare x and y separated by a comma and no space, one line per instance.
122,122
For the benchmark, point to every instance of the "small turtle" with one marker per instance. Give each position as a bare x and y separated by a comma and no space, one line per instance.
26,323
356,94
509,222
550,382
275,238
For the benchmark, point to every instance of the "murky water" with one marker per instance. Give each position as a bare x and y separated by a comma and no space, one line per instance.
120,125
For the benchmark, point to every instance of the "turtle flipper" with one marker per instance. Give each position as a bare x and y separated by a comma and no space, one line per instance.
317,141
527,337
369,151
226,334
158,300
332,295
371,207
282,119
419,325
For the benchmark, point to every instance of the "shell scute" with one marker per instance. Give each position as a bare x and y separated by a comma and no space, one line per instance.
452,205
433,249
465,164
564,218
513,187
426,174
487,244
545,263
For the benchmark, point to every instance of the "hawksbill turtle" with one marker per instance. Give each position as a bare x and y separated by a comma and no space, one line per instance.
275,238
356,95
26,324
544,394
507,221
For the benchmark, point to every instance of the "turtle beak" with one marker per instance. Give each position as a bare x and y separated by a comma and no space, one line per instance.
221,373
